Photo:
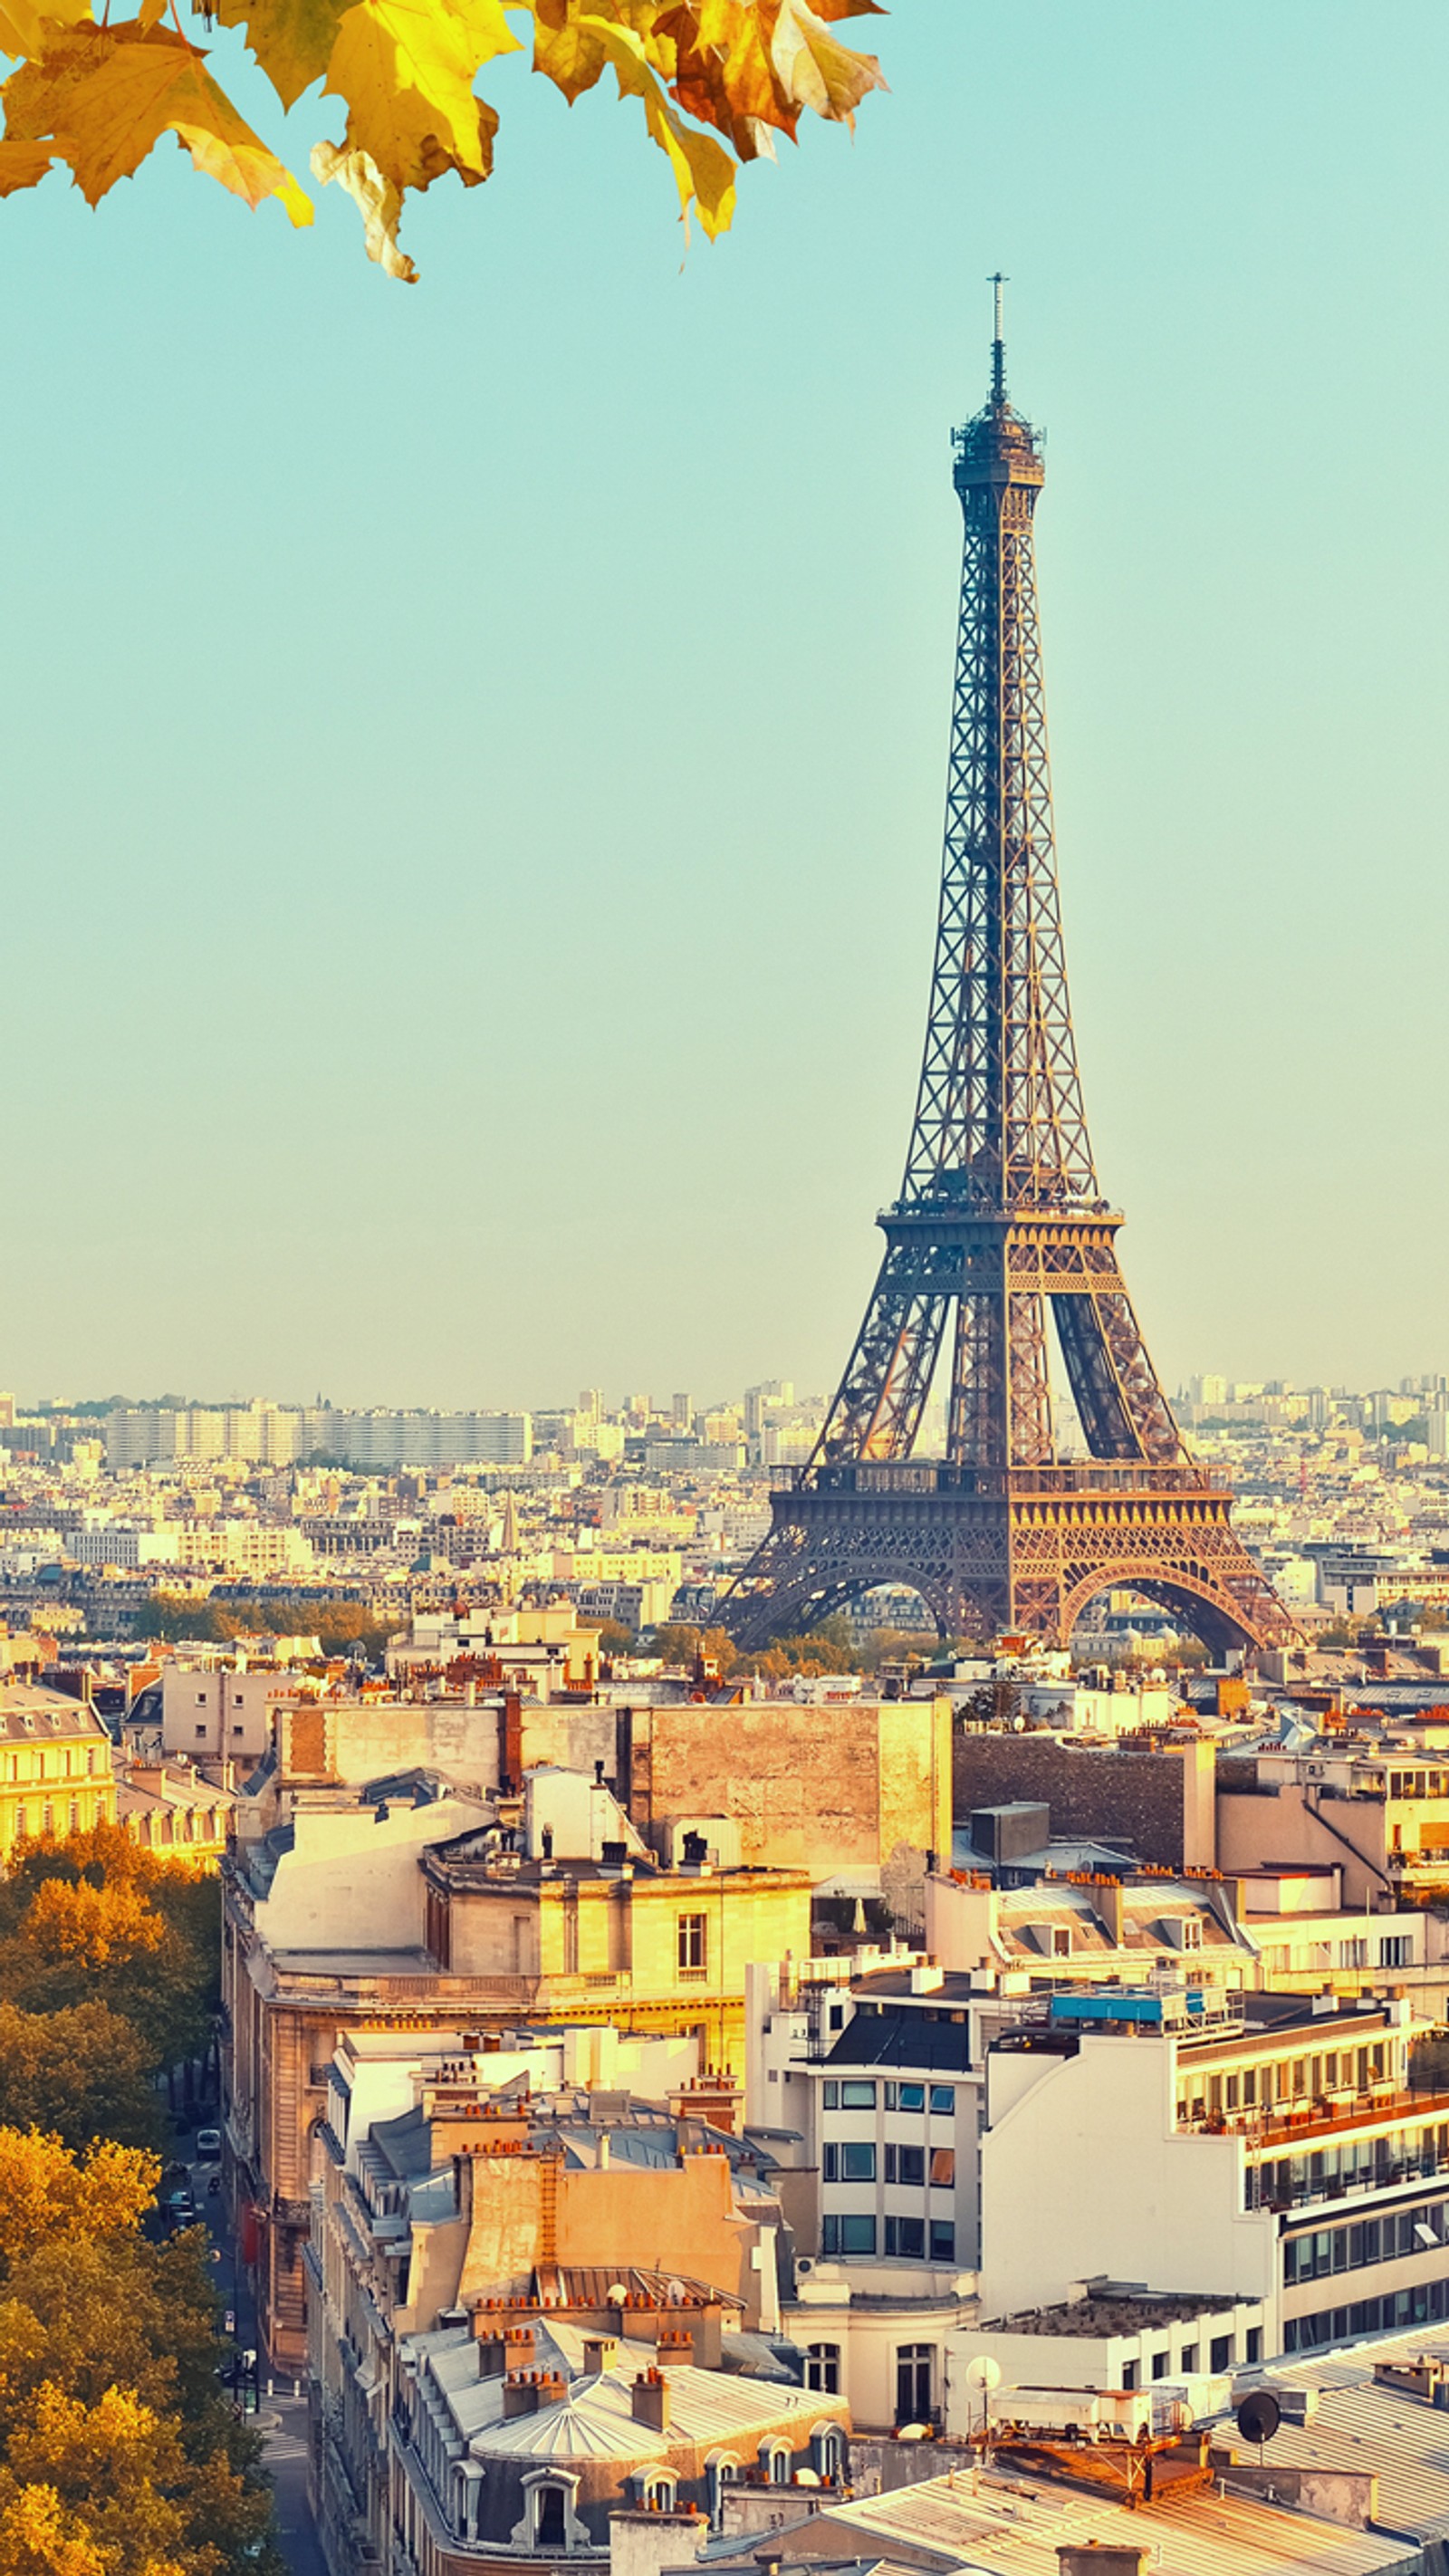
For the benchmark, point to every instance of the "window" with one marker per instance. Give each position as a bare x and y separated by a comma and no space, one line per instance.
911,2166
906,2237
549,2530
830,2096
915,2382
1254,2350
775,2461
913,2097
943,2169
852,2161
943,2097
943,2241
659,2494
21,1826
75,1815
1220,2353
1061,1941
692,1945
1189,2358
201,1730
47,1818
1129,2374
1159,2365
888,2096
828,2445
201,1699
822,2368
837,2016
1191,1933
847,2235
1394,1950
857,2096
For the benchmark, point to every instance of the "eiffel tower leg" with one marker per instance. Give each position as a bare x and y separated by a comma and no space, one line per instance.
877,1410
1123,1410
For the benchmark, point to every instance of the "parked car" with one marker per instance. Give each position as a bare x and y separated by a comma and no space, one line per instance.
179,2208
208,2146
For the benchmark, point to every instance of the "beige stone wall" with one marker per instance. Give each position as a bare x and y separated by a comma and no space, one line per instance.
824,1788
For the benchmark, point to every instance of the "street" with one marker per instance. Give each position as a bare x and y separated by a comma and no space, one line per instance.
282,2420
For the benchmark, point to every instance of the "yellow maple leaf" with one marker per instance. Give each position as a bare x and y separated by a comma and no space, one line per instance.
291,39
26,27
703,171
23,164
108,94
406,70
816,68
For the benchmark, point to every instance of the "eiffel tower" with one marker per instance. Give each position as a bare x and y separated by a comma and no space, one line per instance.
1000,1219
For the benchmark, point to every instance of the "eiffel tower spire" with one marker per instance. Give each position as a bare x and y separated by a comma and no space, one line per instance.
1000,1228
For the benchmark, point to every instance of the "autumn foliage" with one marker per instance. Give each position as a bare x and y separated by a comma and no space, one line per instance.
120,2451
716,82
119,2454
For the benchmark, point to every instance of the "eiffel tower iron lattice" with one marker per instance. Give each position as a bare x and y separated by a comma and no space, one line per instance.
1000,1224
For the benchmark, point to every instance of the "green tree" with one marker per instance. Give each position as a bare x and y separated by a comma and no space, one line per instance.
80,2073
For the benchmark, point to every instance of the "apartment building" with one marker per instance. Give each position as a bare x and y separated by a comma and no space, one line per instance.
411,1902
56,1765
1377,1811
521,2301
1257,2146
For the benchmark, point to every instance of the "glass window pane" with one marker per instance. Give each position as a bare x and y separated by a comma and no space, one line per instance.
858,2096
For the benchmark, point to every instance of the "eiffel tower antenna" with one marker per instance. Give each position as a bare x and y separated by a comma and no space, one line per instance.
1000,1229
998,343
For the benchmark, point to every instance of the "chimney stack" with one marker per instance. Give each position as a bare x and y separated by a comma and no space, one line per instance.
525,2391
650,2400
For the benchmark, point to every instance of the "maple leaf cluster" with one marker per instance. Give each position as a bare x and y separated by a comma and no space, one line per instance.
717,80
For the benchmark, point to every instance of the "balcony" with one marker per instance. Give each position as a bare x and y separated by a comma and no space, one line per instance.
1325,2118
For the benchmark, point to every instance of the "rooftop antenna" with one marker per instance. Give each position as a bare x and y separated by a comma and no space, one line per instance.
998,346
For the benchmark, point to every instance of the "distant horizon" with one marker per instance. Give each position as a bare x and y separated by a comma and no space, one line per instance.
615,1403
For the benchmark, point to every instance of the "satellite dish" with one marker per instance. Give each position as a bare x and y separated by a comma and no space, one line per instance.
617,2296
912,2432
678,2294
983,2372
1259,2415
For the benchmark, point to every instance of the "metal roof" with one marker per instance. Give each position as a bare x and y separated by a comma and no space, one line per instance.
1010,2526
1361,2426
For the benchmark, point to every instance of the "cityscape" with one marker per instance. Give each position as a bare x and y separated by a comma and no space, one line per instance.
716,1974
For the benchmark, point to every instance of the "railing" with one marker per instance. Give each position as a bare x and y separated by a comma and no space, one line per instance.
1367,2110
931,1476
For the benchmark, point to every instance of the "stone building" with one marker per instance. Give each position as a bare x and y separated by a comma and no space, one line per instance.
532,2310
56,1772
411,1905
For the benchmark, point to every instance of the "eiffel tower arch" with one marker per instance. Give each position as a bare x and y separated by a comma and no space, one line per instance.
1000,1238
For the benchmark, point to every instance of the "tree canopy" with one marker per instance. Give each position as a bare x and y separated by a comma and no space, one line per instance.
715,81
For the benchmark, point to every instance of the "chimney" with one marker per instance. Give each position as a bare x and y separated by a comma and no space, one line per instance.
600,2354
649,2400
1090,2558
1107,1906
673,2344
525,2391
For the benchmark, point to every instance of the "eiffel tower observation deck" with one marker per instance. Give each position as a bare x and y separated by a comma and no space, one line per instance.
1001,1228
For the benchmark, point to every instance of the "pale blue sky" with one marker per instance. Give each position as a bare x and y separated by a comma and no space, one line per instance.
474,753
